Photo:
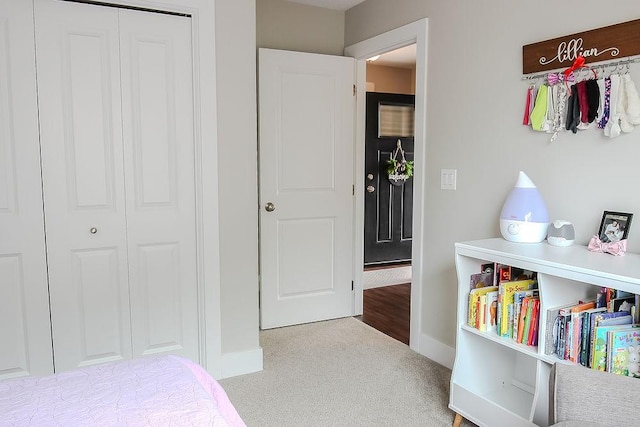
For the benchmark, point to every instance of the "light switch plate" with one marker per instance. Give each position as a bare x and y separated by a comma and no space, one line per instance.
448,178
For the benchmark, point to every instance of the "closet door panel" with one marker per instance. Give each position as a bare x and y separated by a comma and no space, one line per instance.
159,169
96,286
81,137
89,134
25,334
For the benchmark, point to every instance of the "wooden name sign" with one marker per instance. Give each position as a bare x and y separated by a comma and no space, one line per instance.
603,44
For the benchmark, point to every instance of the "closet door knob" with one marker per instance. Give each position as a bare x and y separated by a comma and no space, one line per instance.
93,230
269,207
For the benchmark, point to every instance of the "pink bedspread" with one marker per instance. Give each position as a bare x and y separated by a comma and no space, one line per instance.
154,391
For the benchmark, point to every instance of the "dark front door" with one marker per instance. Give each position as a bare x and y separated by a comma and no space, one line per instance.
388,207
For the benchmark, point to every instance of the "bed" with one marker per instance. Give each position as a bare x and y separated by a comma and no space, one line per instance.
156,391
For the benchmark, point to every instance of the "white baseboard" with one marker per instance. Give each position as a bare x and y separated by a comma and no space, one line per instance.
241,362
437,351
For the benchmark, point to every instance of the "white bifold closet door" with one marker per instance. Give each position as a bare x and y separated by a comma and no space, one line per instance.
116,122
25,334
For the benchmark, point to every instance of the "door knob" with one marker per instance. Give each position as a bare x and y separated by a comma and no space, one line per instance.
370,176
371,188
93,230
269,207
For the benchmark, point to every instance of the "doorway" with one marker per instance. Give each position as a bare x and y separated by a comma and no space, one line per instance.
413,33
388,196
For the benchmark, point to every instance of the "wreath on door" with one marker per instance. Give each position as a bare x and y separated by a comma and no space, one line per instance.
399,169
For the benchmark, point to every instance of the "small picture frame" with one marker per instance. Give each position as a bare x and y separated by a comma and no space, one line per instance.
614,226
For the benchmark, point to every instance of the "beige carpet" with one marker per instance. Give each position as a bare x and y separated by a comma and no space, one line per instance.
340,373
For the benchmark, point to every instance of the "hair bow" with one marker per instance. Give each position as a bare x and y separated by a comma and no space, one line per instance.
577,64
555,78
615,248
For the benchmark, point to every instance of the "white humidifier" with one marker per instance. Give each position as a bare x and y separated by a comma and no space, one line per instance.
524,217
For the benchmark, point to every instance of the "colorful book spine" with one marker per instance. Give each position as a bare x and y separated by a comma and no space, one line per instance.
587,330
508,290
481,323
491,311
527,322
551,330
521,321
576,329
536,322
475,313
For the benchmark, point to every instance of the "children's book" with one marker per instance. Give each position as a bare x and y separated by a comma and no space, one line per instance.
505,298
609,294
601,299
528,321
535,324
599,351
490,268
622,304
576,329
604,318
481,280
481,321
474,300
518,297
522,319
622,352
564,335
502,273
551,329
491,311
560,342
585,353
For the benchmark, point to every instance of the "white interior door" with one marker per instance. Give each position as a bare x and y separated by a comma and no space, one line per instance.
81,138
25,334
306,114
157,95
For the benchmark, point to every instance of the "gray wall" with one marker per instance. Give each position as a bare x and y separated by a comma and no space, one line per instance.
236,93
241,26
290,26
475,105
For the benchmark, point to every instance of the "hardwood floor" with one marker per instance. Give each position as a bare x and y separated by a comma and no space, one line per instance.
388,310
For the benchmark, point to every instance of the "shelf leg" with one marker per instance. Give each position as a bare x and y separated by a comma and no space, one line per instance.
457,420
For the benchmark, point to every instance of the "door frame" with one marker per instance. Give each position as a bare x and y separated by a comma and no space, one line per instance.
413,33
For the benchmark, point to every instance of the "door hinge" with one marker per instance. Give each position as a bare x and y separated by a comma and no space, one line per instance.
352,285
354,90
353,189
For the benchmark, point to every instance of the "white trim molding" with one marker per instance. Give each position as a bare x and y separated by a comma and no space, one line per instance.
415,32
241,362
437,351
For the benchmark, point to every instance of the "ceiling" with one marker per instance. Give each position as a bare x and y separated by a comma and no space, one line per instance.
403,58
330,4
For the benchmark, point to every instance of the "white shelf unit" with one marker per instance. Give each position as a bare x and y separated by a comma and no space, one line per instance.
496,381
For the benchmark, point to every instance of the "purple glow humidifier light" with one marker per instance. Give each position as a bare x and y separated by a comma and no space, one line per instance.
524,217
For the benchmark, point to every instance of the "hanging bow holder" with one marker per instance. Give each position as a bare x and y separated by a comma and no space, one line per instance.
398,168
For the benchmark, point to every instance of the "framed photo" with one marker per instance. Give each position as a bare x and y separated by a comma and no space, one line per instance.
614,226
